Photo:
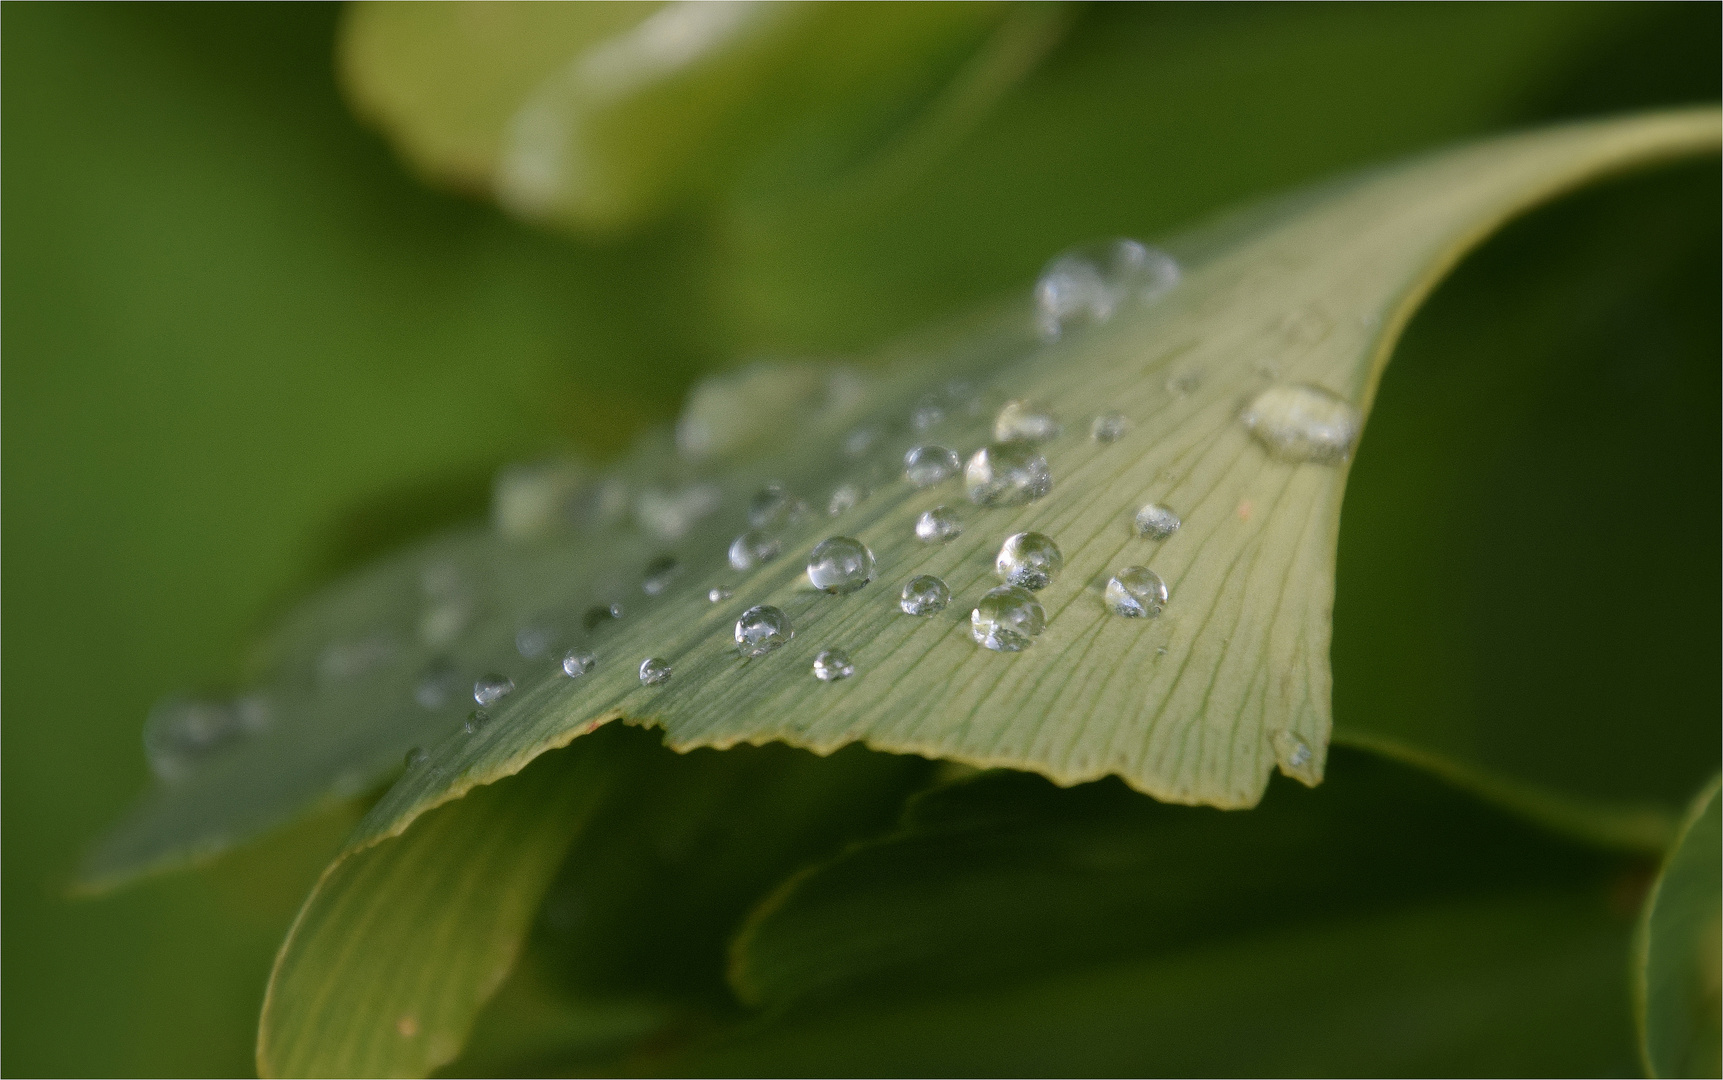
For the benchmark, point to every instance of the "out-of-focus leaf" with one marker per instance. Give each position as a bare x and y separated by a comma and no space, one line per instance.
1195,706
402,942
1381,925
1679,951
660,856
602,116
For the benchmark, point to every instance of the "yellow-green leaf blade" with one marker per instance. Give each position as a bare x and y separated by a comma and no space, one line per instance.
1678,952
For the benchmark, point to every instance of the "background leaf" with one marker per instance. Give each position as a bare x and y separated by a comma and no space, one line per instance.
1677,952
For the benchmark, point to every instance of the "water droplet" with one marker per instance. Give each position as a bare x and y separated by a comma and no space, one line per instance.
859,442
924,595
668,515
926,415
437,685
532,640
833,664
719,593
1156,522
845,497
1007,620
938,526
1109,427
660,572
180,732
840,565
1295,757
1136,592
927,465
732,412
761,629
476,720
1089,284
753,548
1160,650
1016,420
1029,560
1301,423
577,662
654,670
492,688
416,757
1007,474
600,614
773,508
1184,383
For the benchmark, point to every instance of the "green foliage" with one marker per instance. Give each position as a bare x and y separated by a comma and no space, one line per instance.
1676,956
246,353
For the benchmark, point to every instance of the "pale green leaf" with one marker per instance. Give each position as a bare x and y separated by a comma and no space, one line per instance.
604,115
1189,707
1679,952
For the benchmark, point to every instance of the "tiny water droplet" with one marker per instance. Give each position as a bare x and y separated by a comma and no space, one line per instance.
924,595
753,548
577,662
437,685
1017,421
532,640
926,465
1029,560
416,757
1184,383
1007,474
1109,427
761,629
1160,650
1301,423
1295,758
774,508
492,688
719,593
840,565
1156,522
476,720
660,572
1007,619
1136,592
654,670
600,614
1089,284
845,497
938,526
833,664
859,442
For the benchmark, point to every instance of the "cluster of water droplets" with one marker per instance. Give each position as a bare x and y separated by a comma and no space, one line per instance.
1090,284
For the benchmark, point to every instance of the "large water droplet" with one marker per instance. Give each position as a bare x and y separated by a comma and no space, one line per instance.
1089,284
833,664
753,548
660,572
840,565
924,595
761,629
577,663
1007,474
180,732
1156,522
492,688
1017,421
654,670
1029,560
1007,620
1136,592
926,465
437,685
938,526
1295,758
1109,427
1297,422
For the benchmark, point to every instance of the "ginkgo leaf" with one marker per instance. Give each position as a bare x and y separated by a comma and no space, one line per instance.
1677,952
1234,398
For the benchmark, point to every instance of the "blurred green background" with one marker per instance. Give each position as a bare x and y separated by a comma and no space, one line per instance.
245,349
